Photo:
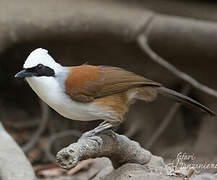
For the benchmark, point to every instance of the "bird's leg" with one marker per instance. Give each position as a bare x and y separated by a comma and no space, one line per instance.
101,127
104,122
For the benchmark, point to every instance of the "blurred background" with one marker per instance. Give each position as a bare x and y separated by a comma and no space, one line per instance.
183,32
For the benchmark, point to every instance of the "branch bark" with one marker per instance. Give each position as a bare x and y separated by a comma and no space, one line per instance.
118,148
68,134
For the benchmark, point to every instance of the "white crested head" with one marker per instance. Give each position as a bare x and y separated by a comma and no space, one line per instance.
41,56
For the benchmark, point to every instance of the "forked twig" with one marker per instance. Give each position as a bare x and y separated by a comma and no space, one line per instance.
33,140
165,122
143,43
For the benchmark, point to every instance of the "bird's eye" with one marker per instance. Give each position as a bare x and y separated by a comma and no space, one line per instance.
39,66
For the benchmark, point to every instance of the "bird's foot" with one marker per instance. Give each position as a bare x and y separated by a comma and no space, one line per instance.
91,135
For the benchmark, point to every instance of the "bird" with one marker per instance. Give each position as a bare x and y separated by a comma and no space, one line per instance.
89,92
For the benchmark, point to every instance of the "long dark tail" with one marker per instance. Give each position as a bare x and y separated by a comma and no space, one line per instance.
185,100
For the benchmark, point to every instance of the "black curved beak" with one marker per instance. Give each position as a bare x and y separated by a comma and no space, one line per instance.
24,73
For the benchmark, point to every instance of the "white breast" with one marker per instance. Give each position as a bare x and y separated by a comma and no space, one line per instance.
50,91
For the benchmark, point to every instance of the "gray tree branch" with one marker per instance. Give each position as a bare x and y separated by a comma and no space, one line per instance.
118,148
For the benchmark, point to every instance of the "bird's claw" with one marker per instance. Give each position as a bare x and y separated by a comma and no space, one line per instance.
97,139
91,135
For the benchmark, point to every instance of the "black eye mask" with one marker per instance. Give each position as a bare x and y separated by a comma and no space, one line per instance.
39,70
